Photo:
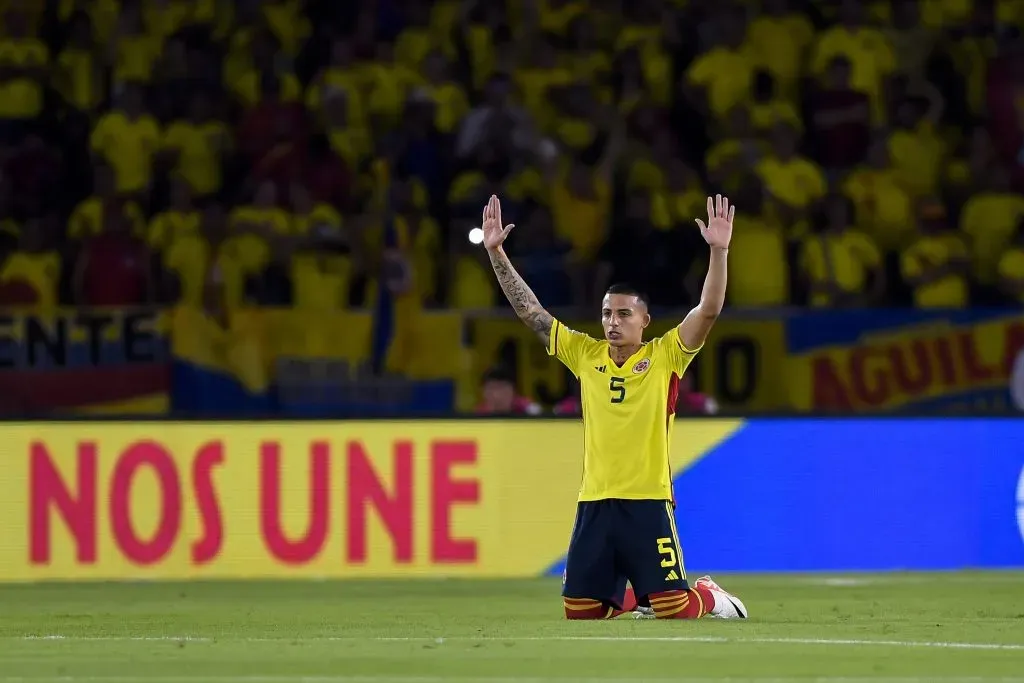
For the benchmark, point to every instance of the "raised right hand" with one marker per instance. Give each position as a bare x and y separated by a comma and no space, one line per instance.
494,233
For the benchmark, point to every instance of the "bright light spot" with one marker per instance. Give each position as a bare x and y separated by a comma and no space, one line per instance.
476,235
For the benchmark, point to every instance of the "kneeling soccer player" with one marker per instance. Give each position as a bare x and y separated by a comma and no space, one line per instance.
625,523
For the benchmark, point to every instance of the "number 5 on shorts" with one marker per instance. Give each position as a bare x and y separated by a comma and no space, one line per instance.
665,548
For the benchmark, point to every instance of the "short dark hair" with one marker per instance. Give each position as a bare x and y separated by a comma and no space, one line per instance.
628,290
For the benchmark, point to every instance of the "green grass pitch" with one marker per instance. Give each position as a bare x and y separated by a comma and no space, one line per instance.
896,627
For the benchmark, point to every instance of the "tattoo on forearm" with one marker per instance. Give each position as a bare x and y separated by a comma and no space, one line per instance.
522,298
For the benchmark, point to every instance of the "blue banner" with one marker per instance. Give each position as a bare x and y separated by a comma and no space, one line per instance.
850,495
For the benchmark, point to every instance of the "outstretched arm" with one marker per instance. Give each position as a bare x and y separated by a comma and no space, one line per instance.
518,293
717,233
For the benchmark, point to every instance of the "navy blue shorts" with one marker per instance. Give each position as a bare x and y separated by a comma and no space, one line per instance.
617,540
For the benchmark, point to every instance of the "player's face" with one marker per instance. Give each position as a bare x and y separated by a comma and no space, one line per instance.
624,318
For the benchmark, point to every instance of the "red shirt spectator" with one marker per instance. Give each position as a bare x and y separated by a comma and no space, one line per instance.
570,405
1005,99
327,176
271,123
113,268
281,165
500,398
841,119
34,170
693,402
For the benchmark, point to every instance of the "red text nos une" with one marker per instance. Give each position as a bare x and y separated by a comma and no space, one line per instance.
76,501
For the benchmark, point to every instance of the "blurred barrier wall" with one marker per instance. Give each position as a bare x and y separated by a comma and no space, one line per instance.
86,362
494,498
742,363
902,360
295,363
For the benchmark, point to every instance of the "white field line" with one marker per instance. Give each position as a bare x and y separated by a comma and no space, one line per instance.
944,645
478,679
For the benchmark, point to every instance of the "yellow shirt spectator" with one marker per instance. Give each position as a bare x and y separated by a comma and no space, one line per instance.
321,281
1011,272
575,133
587,66
725,75
450,104
884,210
935,14
759,275
391,84
251,227
534,82
556,15
422,238
581,207
288,22
796,181
766,115
128,144
642,36
1010,13
217,16
21,95
645,174
972,55
781,40
481,50
931,266
199,146
248,87
443,16
246,251
88,218
163,18
677,195
79,78
655,63
38,270
329,87
677,206
352,145
168,227
917,156
321,216
102,15
189,258
989,219
838,265
136,56
417,41
870,55
729,160
471,285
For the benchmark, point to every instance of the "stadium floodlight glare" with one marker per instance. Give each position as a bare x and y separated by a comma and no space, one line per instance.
476,235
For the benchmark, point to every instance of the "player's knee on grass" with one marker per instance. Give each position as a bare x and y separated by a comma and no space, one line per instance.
587,608
679,604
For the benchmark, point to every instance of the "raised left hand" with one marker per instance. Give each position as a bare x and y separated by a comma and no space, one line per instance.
718,231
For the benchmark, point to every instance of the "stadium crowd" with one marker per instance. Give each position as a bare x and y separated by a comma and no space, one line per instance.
267,151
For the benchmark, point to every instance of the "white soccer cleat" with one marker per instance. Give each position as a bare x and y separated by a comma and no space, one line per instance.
727,605
644,613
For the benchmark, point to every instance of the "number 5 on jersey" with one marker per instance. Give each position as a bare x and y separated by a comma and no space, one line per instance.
617,385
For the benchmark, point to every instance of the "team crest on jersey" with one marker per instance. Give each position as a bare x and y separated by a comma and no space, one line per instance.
641,366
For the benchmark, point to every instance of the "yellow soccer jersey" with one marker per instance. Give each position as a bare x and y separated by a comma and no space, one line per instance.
627,412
